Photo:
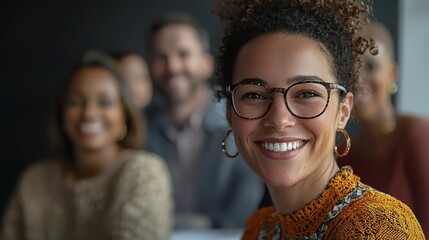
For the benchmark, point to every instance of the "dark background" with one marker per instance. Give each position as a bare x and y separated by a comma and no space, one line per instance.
41,40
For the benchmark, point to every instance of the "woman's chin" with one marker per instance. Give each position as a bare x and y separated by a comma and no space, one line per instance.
278,178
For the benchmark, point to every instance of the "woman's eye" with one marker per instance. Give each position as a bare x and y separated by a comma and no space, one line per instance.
254,95
105,102
308,94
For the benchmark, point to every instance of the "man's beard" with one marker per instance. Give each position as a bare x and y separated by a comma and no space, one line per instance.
176,100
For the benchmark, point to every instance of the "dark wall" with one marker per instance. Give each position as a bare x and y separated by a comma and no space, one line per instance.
41,40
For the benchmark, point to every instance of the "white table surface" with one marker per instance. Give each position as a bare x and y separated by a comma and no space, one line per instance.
211,234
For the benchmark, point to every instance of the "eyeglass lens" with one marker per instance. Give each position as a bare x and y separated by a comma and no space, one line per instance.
304,100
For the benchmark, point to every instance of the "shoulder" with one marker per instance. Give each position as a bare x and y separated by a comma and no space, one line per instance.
378,215
43,166
416,141
378,202
36,180
144,179
145,160
257,221
413,126
419,129
143,166
216,115
40,171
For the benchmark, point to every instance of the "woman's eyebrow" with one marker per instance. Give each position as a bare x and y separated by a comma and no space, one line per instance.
303,78
292,80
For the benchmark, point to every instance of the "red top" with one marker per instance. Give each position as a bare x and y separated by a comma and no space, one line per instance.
397,165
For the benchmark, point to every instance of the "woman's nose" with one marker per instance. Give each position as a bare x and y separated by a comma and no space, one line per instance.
278,116
90,111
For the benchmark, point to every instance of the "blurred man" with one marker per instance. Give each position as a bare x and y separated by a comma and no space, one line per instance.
210,190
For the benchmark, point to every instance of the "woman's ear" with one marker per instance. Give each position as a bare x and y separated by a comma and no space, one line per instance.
346,106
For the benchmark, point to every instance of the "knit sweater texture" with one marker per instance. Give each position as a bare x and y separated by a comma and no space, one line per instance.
346,209
132,200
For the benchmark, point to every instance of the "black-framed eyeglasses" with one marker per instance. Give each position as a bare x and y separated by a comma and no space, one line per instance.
308,99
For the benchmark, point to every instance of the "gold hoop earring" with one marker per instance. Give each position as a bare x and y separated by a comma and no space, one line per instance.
124,132
348,144
393,88
223,143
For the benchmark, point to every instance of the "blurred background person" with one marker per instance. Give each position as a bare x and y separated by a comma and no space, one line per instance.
210,190
136,73
390,150
99,186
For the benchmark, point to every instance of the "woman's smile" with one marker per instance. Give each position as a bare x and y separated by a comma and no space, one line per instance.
92,128
281,149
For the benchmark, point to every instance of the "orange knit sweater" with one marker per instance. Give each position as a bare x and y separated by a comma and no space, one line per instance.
346,209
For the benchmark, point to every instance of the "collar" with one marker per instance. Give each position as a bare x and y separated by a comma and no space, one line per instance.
306,221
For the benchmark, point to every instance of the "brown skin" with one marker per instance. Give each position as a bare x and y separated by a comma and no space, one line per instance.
180,68
293,177
93,121
136,74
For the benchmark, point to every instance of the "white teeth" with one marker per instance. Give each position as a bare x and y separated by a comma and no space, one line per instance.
282,146
91,127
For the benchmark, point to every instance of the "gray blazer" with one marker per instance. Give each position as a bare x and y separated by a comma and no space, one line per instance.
228,191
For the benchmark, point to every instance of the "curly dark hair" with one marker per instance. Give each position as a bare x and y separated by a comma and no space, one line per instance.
337,24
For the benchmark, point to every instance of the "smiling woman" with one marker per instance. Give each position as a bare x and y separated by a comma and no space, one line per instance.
281,59
104,188
93,115
288,70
